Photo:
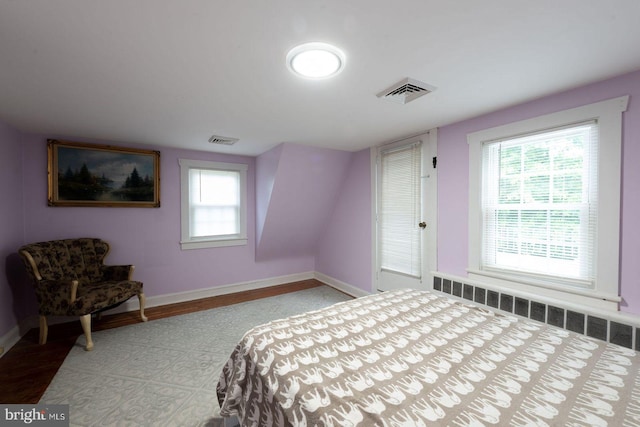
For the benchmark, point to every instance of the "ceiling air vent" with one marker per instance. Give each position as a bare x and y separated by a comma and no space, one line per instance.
224,140
405,91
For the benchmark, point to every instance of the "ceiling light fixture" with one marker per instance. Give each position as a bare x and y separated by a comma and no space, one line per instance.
315,60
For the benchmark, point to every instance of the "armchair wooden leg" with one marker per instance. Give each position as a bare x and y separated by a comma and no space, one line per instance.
44,329
142,300
85,321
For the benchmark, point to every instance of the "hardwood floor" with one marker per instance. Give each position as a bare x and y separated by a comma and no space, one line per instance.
28,367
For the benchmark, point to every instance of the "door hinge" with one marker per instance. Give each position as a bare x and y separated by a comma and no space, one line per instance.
434,161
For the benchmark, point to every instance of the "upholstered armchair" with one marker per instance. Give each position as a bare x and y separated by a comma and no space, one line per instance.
71,279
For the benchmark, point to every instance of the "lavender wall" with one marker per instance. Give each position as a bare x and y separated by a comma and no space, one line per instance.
339,247
266,168
453,179
306,183
344,252
13,299
149,237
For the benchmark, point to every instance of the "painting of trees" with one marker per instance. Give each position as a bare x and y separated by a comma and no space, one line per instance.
94,175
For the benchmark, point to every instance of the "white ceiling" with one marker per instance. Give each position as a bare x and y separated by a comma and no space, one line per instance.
172,73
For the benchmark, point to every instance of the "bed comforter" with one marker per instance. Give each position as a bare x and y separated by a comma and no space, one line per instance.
414,358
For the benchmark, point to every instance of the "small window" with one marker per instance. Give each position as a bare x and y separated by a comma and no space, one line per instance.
544,204
213,198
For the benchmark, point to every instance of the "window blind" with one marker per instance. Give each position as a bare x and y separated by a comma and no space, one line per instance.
539,203
400,210
214,202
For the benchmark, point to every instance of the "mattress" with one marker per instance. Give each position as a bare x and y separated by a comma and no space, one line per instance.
416,358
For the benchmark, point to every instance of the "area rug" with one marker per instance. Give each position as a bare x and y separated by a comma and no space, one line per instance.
164,372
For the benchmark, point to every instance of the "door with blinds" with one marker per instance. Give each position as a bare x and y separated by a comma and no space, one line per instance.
405,215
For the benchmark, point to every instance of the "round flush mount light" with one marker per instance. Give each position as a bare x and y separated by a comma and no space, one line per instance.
315,60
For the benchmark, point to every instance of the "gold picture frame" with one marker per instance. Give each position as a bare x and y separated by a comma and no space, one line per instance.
81,174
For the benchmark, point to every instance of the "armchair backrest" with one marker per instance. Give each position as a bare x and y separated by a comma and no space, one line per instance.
65,259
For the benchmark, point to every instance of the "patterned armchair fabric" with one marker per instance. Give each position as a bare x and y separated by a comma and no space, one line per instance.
71,279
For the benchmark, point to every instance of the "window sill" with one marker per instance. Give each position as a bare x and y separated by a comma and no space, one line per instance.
203,244
587,297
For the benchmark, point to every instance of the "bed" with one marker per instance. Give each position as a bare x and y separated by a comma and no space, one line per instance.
417,358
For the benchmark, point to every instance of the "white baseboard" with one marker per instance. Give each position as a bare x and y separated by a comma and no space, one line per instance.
341,286
155,301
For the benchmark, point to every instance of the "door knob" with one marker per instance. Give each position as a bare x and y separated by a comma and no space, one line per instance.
422,225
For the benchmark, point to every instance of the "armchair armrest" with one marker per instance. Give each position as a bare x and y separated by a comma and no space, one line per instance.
74,291
117,272
54,296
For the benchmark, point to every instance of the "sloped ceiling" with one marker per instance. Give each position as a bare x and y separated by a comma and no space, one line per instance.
297,187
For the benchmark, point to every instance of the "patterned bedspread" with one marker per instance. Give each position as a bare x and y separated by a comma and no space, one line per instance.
414,358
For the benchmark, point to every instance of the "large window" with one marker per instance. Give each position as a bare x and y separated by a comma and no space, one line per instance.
213,204
539,203
545,202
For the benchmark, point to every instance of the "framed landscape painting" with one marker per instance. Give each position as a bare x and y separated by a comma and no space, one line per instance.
102,175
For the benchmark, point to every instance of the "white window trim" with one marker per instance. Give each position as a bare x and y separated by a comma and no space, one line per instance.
608,113
186,242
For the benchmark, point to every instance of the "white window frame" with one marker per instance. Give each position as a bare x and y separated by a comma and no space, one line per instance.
189,242
605,293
